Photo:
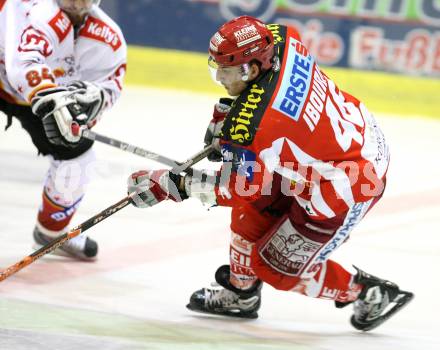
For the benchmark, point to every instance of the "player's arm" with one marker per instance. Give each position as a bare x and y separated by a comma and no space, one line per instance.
112,80
27,49
215,126
242,178
110,73
97,94
236,182
102,84
63,110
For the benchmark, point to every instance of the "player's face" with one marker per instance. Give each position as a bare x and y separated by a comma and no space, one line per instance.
76,9
232,78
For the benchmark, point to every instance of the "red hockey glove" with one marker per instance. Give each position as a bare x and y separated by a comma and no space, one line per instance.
153,186
212,135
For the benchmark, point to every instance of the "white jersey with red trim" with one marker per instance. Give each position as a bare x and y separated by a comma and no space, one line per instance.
295,122
40,47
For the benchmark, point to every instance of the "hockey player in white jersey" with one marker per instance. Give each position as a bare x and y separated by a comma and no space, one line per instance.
62,63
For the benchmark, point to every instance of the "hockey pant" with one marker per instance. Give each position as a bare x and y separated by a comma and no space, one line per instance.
292,252
63,191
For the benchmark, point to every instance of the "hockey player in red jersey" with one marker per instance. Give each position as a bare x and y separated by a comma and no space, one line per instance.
303,162
62,64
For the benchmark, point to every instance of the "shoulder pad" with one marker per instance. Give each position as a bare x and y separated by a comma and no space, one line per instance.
47,17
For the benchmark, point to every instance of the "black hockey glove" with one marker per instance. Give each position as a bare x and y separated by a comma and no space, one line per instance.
54,107
90,101
66,111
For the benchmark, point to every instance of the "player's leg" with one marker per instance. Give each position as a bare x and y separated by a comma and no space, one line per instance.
61,195
294,255
239,292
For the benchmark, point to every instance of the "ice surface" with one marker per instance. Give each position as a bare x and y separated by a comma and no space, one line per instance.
150,261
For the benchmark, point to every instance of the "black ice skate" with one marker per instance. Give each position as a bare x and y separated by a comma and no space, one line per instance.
227,301
81,247
378,301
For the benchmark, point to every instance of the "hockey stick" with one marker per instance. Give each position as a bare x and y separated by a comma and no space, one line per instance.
153,156
57,242
135,150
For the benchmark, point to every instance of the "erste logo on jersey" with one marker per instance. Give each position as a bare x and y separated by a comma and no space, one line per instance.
296,81
98,30
34,40
61,25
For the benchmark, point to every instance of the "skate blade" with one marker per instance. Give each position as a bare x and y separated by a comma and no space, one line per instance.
400,302
252,315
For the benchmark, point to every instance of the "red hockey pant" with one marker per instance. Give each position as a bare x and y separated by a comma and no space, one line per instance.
292,252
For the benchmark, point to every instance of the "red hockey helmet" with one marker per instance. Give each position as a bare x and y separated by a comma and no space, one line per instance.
241,41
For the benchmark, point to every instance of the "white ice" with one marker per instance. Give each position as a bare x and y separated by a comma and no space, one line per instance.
151,260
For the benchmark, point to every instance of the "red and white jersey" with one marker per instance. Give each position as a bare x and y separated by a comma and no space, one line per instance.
296,123
39,48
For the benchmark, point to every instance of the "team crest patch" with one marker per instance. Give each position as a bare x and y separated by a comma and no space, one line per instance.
34,40
288,251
